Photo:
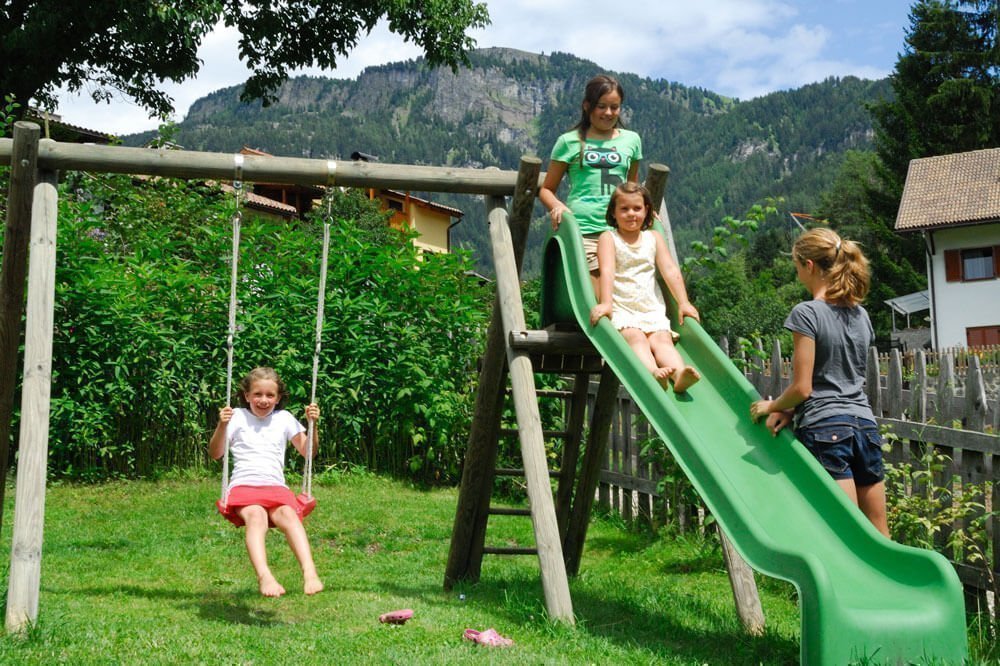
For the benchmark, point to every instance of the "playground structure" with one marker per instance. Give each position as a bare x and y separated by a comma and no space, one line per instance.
862,596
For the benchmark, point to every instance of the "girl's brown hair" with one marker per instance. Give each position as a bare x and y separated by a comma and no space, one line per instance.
629,187
256,375
597,87
840,261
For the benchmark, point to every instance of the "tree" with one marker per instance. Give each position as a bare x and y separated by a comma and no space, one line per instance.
946,99
946,93
131,47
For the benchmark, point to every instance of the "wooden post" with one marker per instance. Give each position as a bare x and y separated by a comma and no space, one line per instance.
571,450
873,383
946,389
465,555
975,396
593,455
29,507
894,384
918,388
12,275
745,593
774,384
529,424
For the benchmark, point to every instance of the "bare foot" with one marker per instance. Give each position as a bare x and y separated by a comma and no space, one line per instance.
270,587
662,375
313,585
686,378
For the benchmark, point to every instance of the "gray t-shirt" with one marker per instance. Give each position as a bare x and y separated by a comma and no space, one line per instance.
843,336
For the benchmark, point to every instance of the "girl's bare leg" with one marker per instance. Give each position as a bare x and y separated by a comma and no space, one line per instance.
255,518
668,358
639,343
286,520
871,500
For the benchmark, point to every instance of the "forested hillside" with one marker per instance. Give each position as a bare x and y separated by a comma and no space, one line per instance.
724,154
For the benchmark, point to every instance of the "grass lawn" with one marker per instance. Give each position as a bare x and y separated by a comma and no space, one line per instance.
148,572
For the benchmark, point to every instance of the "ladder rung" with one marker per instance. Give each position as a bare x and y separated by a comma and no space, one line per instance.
501,511
546,393
488,550
510,471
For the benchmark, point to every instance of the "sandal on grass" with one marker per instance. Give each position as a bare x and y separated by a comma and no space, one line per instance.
396,617
489,637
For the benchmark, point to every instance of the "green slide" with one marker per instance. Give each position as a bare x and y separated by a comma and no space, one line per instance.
863,598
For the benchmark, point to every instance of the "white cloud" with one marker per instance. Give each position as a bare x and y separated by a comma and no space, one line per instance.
739,48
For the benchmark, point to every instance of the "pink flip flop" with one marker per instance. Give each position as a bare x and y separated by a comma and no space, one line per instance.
396,617
489,637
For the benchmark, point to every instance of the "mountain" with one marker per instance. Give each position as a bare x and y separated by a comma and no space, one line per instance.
724,154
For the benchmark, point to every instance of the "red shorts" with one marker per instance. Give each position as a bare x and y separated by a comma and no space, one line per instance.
269,497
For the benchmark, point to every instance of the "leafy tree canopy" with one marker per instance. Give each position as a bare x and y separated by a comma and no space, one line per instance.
129,47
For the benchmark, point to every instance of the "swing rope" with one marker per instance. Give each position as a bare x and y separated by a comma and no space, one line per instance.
320,301
237,219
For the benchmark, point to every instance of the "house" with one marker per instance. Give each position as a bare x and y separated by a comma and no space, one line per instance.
954,201
433,222
53,127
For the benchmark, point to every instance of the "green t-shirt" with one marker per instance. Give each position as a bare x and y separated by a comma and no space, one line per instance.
594,171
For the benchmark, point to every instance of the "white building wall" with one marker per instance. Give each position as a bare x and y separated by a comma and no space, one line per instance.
956,306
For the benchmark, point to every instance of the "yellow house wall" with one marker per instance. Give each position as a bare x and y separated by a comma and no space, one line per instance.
432,227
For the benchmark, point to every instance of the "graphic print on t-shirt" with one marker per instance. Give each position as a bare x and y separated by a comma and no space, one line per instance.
604,159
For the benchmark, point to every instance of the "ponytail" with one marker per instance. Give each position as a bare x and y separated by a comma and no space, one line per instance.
841,261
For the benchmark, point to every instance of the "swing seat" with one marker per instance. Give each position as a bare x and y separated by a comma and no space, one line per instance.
304,506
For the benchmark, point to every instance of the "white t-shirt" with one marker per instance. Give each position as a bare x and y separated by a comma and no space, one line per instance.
257,446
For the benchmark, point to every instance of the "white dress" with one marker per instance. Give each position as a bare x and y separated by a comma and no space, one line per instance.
638,299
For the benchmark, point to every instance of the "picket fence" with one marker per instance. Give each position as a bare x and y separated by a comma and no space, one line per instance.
945,402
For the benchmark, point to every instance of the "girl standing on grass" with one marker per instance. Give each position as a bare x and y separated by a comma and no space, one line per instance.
826,399
629,256
257,435
598,154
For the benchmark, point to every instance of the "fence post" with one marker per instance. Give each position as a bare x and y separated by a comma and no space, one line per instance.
774,385
975,396
873,382
946,389
894,384
918,388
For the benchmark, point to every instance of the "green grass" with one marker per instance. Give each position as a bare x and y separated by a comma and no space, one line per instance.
148,572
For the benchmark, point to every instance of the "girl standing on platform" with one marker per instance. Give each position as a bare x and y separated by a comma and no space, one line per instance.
597,155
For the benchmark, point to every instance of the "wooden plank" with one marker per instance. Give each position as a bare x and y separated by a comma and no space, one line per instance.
543,517
551,342
272,169
918,388
974,417
33,443
628,482
949,437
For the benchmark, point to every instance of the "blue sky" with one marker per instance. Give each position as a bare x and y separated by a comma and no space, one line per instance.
739,48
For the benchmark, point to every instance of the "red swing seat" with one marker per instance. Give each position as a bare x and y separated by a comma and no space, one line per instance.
304,505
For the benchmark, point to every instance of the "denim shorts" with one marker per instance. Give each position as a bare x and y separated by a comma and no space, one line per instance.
847,447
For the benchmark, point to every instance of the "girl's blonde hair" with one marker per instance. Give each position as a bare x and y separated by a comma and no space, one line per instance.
628,187
256,375
840,261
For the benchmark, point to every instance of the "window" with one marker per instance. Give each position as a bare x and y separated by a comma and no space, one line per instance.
970,264
981,336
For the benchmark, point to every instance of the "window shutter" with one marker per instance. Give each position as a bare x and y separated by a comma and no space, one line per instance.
953,265
996,261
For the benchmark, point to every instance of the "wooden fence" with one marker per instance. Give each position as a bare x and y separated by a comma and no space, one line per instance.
931,403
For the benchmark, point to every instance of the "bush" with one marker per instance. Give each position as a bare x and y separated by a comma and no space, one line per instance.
141,324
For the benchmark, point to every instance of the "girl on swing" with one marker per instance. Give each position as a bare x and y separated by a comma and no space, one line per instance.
257,435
